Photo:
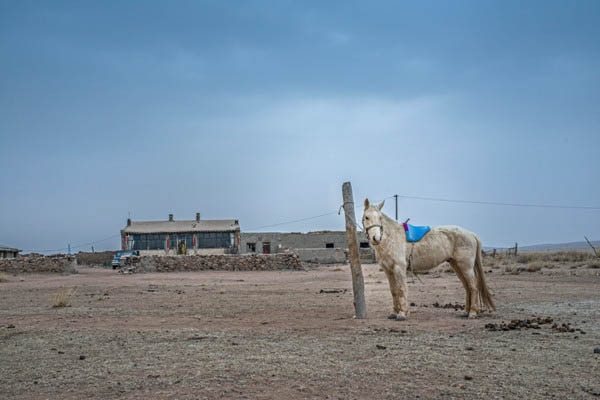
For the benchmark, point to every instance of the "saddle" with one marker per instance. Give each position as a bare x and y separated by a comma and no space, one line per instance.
415,233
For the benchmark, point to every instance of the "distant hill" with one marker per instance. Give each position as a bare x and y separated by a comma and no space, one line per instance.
557,246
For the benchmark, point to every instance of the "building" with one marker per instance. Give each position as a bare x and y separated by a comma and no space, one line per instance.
272,242
8,252
320,247
191,237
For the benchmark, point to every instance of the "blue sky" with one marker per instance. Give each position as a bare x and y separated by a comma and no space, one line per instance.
260,110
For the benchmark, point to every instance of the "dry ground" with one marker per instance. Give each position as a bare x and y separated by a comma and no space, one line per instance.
274,335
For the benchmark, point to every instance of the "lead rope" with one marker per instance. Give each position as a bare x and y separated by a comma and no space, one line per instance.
410,268
360,228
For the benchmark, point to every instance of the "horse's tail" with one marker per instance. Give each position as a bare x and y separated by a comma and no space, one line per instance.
485,296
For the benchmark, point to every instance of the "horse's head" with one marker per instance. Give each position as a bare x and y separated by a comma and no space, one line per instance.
373,222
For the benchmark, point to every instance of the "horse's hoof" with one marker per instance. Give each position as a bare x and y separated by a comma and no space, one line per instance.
392,316
400,318
464,315
472,315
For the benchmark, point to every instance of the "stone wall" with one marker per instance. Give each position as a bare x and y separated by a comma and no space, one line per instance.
34,263
99,258
250,262
322,256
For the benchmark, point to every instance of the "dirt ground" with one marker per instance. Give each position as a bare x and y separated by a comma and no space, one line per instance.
277,335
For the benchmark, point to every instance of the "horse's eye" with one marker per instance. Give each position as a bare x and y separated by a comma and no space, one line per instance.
367,218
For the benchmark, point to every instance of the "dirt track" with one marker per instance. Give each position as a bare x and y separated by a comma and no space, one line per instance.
274,335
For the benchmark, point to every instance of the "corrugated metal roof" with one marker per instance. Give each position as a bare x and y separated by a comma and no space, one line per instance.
223,225
5,248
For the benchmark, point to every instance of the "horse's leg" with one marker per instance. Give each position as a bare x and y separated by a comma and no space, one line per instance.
401,292
463,280
467,267
395,298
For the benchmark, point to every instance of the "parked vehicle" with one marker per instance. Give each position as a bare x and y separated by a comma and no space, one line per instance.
124,258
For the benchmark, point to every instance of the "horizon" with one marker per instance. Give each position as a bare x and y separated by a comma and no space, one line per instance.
483,115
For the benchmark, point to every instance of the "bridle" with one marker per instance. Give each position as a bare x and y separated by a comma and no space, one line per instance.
374,226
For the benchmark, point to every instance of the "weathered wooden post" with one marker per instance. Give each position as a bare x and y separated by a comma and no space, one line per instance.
358,283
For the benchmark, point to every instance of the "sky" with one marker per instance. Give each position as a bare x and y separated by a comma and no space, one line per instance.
260,110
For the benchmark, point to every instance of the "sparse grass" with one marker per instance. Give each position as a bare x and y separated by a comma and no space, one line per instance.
3,277
555,256
62,298
594,265
535,266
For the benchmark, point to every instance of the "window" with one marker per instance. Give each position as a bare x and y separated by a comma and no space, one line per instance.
251,247
364,245
214,240
329,245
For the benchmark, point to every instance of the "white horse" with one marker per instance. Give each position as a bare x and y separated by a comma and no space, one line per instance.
457,246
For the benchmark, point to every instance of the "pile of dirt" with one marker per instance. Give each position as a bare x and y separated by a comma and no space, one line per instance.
251,262
34,263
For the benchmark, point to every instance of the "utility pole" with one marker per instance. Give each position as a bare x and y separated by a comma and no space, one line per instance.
396,197
358,283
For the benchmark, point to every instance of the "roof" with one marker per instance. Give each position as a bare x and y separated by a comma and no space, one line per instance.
221,225
5,248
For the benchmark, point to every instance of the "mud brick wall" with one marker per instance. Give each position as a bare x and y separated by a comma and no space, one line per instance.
34,263
322,256
367,255
251,262
99,258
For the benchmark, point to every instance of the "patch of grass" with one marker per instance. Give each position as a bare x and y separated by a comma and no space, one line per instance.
555,256
3,277
594,265
535,266
62,298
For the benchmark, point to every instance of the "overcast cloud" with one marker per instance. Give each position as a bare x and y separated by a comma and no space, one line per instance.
259,111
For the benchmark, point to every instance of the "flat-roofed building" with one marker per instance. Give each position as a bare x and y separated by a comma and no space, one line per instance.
8,252
189,237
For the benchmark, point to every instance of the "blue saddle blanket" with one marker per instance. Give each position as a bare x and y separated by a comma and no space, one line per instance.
415,233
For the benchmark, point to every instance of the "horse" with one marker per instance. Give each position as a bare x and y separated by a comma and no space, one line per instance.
456,245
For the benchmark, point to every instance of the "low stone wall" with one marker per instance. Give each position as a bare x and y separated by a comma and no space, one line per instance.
333,256
100,258
247,262
367,255
322,256
34,263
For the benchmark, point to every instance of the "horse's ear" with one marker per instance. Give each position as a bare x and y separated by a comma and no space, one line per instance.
367,204
380,206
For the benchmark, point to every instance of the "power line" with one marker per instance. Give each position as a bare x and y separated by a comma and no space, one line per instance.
73,247
293,221
496,203
308,218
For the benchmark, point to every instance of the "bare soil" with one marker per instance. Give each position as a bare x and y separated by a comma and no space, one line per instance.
290,334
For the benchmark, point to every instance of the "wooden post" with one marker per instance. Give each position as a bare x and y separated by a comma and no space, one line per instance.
358,283
516,248
593,248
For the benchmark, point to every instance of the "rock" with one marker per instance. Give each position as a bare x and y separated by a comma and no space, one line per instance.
381,347
468,378
82,357
597,350
11,326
